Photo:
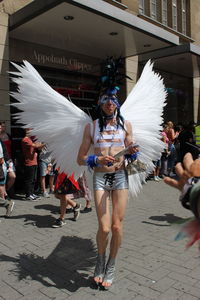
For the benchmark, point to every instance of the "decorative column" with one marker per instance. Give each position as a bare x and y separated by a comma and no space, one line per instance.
4,67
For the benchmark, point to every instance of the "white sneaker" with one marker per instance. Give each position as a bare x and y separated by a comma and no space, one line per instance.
45,194
156,178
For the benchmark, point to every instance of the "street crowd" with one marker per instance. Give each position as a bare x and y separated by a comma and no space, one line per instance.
39,169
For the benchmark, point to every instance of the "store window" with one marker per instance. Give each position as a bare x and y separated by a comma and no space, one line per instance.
164,12
184,25
174,14
153,9
141,7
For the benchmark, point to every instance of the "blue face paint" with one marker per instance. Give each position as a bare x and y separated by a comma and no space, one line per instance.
105,98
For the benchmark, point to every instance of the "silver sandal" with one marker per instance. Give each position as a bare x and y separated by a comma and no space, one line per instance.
100,266
109,272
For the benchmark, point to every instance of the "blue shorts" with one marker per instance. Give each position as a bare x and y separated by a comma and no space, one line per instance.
43,166
157,163
110,181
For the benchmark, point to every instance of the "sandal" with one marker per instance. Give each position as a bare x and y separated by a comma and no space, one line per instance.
100,268
109,273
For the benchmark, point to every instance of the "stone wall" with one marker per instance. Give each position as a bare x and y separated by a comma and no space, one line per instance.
195,17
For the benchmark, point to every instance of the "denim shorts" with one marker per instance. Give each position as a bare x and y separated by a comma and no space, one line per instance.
110,181
43,169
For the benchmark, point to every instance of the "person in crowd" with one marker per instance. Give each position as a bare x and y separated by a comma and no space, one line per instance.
46,168
165,153
29,149
187,142
11,176
156,171
65,188
178,129
172,135
110,179
84,192
188,184
7,204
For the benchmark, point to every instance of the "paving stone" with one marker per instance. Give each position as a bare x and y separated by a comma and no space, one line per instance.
39,262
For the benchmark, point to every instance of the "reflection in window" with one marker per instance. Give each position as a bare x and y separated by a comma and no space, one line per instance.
174,14
141,6
164,12
153,10
184,17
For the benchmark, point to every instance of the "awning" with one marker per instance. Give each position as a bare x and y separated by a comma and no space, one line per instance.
97,28
181,60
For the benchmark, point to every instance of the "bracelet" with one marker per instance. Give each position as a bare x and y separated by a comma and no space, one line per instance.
92,161
131,157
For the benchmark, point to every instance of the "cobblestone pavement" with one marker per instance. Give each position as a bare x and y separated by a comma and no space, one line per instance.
40,262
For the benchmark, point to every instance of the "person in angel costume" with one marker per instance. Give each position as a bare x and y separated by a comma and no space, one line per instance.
109,134
101,146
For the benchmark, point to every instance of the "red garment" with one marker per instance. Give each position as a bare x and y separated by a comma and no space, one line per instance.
30,154
8,147
62,176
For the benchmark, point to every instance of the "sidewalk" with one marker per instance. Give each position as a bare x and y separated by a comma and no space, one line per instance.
40,262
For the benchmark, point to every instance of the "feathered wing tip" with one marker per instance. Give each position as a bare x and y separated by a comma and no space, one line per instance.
190,230
54,119
144,109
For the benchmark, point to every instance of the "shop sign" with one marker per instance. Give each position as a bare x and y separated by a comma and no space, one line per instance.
71,64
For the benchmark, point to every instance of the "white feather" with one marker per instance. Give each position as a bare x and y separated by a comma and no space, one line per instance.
58,122
54,119
144,108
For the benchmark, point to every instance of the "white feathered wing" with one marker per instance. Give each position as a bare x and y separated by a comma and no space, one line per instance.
144,108
54,119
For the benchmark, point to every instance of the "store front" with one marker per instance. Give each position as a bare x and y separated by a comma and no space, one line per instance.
67,42
180,68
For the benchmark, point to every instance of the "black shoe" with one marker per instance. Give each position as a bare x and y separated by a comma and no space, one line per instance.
36,196
58,223
32,198
69,210
76,211
86,210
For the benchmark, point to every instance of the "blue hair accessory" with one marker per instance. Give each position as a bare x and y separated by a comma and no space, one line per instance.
91,161
131,157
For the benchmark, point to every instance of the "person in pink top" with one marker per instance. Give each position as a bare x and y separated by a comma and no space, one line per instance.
165,153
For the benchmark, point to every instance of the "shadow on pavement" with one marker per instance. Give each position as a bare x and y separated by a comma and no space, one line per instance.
67,267
169,218
52,208
36,220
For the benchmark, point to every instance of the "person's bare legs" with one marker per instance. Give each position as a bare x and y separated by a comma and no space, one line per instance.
10,180
64,201
2,191
63,205
103,215
43,184
51,183
119,201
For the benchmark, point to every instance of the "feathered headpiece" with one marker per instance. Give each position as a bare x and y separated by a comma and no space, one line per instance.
110,80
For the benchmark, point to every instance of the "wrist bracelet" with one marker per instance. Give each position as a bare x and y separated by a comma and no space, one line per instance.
131,157
92,161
